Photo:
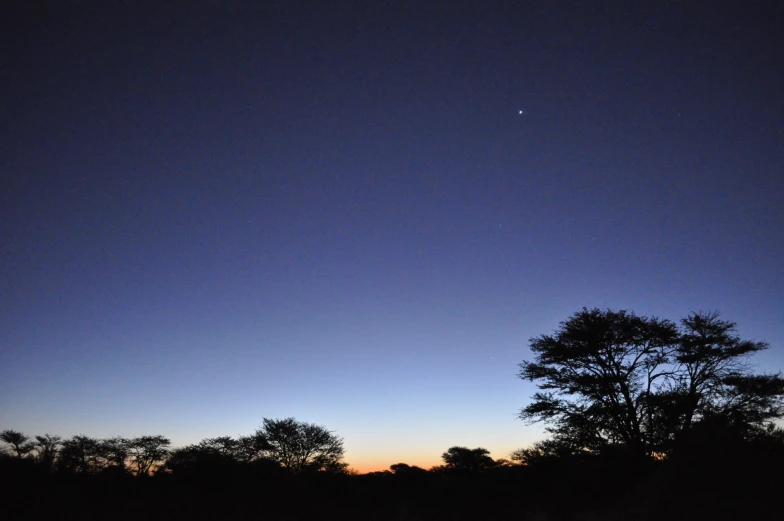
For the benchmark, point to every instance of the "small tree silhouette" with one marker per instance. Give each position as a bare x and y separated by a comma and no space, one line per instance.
472,460
19,443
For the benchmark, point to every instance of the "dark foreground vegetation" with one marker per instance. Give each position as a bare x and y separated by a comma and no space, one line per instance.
716,475
648,420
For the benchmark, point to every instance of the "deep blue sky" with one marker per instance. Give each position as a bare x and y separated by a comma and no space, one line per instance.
335,211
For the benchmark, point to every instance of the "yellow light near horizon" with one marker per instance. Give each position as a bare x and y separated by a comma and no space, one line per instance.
379,465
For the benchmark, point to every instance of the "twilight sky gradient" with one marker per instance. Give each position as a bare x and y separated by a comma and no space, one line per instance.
335,210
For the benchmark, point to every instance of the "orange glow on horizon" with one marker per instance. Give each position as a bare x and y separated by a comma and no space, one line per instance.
426,458
366,467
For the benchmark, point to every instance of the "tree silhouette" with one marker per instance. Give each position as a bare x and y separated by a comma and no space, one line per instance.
251,448
300,446
212,456
19,443
116,451
81,454
545,450
403,469
615,378
200,460
146,452
714,379
47,447
472,460
225,446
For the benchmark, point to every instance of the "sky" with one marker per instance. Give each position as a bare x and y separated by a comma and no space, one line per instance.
358,213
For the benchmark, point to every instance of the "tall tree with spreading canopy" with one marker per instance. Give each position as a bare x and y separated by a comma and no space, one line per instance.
300,446
47,447
615,378
81,454
145,452
116,451
713,377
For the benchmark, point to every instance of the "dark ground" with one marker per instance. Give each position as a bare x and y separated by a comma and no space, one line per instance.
712,480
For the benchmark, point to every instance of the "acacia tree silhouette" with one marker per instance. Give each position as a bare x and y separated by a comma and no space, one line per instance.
116,451
615,378
713,378
405,469
47,447
81,454
471,460
300,446
147,451
19,443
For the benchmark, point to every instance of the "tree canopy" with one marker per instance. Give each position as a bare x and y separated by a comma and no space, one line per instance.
472,460
18,441
609,378
300,446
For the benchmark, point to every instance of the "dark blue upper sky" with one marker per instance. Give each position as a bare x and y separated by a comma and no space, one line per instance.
337,211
